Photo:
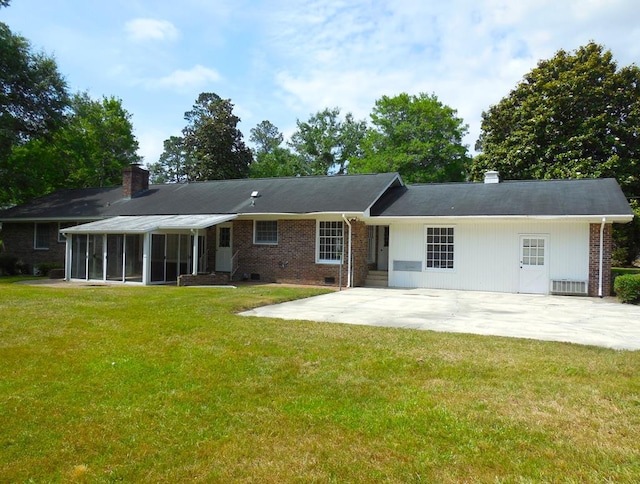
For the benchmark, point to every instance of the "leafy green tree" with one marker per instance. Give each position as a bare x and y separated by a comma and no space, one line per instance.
33,96
417,136
99,140
280,162
175,163
214,141
271,159
266,137
573,116
90,149
328,144
626,239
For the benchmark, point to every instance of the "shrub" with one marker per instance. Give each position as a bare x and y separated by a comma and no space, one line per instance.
44,268
627,288
8,265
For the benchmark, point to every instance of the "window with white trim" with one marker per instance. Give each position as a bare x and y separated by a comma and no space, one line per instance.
41,235
265,232
439,248
329,242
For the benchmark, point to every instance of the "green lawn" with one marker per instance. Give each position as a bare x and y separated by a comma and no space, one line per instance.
167,384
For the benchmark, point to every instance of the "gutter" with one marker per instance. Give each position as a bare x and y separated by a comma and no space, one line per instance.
344,217
600,261
385,219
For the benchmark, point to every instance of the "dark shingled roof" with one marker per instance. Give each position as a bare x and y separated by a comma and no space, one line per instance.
582,197
384,193
313,194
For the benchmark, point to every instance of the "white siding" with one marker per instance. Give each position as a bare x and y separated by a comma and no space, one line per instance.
487,254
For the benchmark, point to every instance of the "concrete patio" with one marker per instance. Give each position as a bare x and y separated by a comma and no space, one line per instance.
589,321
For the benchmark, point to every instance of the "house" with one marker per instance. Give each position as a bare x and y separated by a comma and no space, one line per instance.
514,236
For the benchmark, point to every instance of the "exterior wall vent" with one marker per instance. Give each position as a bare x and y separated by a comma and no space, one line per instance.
492,177
569,288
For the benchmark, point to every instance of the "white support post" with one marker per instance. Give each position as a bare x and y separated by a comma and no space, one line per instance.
67,259
146,257
196,242
104,257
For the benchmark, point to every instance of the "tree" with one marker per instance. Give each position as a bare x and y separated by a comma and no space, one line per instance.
417,136
266,137
212,138
90,149
101,141
327,144
33,96
271,159
573,116
175,163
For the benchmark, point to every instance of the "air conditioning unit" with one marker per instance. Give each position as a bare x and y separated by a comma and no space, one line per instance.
569,288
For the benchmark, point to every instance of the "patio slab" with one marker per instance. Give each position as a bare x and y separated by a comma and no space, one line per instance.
589,321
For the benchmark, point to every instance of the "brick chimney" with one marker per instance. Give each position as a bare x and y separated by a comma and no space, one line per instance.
135,180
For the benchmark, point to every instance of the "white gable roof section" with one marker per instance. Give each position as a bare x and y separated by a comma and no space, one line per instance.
149,223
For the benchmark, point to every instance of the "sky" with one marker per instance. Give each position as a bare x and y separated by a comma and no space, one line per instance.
284,60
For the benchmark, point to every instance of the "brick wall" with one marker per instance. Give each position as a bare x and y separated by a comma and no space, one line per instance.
293,259
594,259
203,279
18,242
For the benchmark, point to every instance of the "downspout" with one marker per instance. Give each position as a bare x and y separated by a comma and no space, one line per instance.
349,252
601,262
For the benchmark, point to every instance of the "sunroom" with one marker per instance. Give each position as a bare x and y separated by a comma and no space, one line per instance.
151,249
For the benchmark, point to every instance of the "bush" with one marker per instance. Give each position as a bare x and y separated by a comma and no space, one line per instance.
44,268
8,265
627,288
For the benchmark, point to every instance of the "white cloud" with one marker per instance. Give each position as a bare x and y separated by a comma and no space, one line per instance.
470,53
151,144
141,29
188,79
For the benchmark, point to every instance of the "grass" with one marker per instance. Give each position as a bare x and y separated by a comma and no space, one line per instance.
168,384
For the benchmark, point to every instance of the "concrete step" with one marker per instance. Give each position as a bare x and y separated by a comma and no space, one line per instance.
375,283
377,279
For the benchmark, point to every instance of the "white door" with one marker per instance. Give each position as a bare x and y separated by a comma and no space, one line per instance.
224,242
383,247
534,264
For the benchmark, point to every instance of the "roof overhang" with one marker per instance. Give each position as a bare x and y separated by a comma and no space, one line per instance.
615,218
143,224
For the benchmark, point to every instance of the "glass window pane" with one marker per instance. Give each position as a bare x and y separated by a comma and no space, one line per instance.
266,232
330,241
440,246
41,236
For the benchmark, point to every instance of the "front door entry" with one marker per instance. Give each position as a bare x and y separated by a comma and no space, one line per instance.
534,264
383,247
224,244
